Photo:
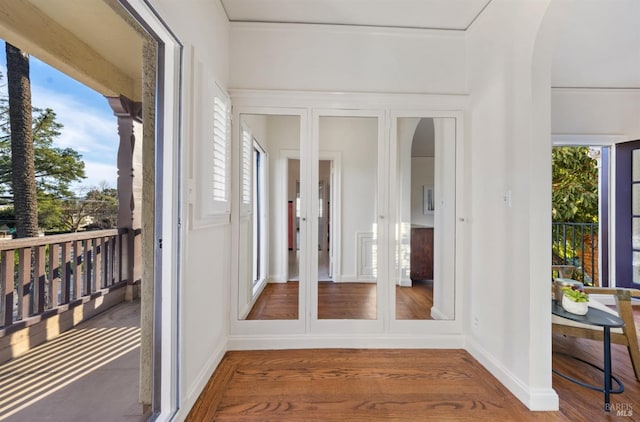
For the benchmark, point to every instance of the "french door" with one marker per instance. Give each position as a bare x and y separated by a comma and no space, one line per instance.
627,212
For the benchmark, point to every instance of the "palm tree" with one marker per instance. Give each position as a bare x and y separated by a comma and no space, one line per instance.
22,152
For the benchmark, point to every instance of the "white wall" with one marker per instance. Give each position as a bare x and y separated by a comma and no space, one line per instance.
588,111
325,58
594,68
202,28
508,245
598,45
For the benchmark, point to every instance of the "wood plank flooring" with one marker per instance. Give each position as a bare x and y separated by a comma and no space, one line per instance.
354,385
277,301
342,301
408,385
346,300
415,302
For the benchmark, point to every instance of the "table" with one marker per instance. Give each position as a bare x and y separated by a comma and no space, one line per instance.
599,318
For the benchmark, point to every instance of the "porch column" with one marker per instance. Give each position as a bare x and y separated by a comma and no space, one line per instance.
129,115
149,355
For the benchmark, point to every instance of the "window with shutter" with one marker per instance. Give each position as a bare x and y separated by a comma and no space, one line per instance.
247,179
220,171
212,137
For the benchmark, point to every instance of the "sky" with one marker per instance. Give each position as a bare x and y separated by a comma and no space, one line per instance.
90,126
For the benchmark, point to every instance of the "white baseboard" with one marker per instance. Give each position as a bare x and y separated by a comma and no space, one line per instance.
536,399
438,314
200,382
354,279
436,341
405,282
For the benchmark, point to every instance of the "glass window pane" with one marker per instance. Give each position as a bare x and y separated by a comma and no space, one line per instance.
635,165
635,233
635,199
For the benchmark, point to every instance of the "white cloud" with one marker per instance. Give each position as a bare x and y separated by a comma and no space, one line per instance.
86,129
97,173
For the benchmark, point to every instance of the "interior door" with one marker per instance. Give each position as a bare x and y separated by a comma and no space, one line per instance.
627,212
349,150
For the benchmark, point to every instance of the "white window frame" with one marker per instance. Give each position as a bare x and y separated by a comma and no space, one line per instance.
212,151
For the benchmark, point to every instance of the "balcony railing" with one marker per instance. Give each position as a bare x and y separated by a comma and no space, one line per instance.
41,275
576,245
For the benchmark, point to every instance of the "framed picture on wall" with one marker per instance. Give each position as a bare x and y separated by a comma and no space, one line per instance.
429,202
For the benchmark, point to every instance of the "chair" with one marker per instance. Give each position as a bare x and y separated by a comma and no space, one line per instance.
626,336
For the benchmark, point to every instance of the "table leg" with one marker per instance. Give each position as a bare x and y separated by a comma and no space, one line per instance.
607,367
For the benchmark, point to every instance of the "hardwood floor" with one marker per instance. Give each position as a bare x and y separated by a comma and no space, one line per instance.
576,401
277,301
355,385
415,302
342,301
409,385
346,300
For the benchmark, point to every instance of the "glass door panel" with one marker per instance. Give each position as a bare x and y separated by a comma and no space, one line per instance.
424,203
346,256
627,211
269,217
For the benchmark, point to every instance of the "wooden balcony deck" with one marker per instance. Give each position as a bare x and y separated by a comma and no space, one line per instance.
88,373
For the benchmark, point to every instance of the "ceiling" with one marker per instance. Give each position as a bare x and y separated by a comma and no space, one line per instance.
455,15
93,41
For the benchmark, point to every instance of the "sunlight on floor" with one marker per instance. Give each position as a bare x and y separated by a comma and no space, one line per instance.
57,363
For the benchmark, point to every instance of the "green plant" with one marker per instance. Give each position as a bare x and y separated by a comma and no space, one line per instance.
575,294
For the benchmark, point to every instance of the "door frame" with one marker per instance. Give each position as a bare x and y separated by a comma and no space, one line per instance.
362,333
624,183
168,232
609,227
353,326
278,163
435,326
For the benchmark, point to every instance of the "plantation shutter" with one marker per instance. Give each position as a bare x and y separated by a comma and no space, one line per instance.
221,168
246,173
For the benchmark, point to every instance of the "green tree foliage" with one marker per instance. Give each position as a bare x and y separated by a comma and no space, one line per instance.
55,168
97,210
574,194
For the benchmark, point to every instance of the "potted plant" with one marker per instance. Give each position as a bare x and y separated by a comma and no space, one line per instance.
575,300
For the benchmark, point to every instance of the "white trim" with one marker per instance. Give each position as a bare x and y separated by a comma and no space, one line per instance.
327,326
168,228
372,341
438,314
237,323
435,105
593,89
385,331
363,241
536,399
200,382
348,29
578,139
